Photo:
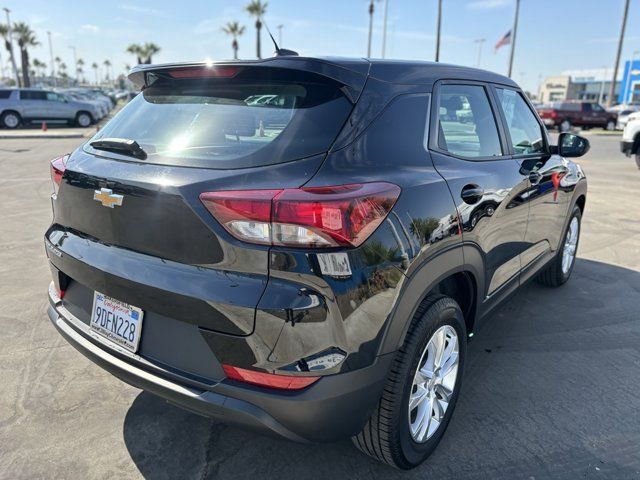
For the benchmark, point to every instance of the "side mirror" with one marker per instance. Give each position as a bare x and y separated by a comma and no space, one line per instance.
571,145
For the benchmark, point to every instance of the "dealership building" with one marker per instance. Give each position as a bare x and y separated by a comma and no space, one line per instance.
593,85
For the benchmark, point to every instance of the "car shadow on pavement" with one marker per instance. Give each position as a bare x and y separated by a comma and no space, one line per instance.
550,391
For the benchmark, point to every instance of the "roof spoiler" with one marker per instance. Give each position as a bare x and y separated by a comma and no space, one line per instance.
351,73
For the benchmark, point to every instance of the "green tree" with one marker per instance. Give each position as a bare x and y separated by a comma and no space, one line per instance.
257,9
26,38
235,30
94,65
136,50
149,49
4,34
107,66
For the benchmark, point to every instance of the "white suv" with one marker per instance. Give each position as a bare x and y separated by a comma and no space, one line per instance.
630,144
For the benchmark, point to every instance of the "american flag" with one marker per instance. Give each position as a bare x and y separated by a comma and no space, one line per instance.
505,40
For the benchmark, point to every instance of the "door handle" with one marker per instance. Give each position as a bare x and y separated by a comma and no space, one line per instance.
471,194
535,177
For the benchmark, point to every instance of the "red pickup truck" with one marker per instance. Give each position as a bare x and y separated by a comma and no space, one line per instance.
564,115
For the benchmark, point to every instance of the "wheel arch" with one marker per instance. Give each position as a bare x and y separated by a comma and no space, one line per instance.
11,110
80,112
456,273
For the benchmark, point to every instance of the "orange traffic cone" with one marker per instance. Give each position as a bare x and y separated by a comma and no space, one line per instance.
44,126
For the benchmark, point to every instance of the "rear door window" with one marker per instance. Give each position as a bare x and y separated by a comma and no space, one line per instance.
32,95
260,116
5,93
467,126
523,127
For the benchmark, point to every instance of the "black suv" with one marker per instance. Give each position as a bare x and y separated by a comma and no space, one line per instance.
310,265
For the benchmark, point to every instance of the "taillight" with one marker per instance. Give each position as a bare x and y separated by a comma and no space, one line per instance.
336,216
554,114
58,166
268,380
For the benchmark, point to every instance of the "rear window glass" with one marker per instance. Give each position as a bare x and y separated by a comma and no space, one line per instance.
260,116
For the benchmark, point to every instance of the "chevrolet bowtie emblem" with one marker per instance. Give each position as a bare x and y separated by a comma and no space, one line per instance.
107,197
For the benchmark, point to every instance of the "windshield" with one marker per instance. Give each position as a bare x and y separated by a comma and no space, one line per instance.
260,116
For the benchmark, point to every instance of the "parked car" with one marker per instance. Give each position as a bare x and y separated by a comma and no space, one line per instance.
564,115
24,105
100,107
320,282
630,144
623,115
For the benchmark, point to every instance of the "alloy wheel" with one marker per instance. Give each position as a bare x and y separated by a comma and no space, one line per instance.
84,120
11,120
433,383
570,245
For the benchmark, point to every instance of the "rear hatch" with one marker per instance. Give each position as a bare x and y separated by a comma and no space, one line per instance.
132,225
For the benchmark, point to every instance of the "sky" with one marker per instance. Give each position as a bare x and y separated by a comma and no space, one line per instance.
553,35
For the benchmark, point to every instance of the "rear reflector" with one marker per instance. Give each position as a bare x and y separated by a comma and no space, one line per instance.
269,380
313,217
204,72
58,166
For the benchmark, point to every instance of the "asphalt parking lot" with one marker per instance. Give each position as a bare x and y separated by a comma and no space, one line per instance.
551,390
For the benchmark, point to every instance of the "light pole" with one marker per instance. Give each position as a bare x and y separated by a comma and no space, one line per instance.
513,37
438,24
480,42
53,64
604,75
371,9
384,28
279,27
10,40
612,88
75,62
628,92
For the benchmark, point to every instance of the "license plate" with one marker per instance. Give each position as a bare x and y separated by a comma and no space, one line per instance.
116,321
548,121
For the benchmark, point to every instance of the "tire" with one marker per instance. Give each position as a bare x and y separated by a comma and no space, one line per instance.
83,119
10,120
610,126
638,159
564,126
387,435
555,275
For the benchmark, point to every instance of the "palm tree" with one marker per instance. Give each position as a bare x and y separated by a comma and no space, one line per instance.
4,34
136,50
39,67
62,69
257,9
94,65
35,63
79,69
235,30
26,38
149,49
107,65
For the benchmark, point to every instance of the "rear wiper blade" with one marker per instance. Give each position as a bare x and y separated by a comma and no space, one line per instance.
124,146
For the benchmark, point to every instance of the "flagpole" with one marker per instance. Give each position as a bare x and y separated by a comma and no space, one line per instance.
438,27
513,37
612,87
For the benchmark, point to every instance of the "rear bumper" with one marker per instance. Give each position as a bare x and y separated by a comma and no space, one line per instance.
335,407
